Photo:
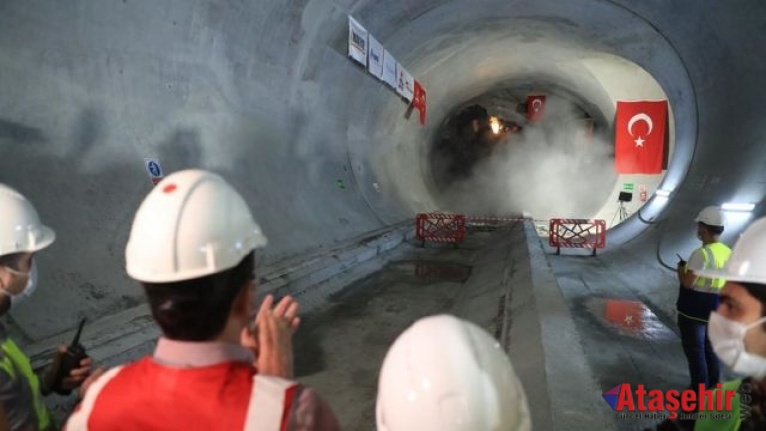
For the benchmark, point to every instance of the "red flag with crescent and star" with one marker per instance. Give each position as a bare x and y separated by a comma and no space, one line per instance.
419,101
535,107
639,137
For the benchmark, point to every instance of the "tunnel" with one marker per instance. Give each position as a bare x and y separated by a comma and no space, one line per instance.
335,166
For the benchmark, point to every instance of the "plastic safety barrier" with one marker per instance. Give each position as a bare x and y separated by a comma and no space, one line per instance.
577,233
439,227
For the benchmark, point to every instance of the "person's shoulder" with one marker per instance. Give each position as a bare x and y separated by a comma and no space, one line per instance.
698,253
724,246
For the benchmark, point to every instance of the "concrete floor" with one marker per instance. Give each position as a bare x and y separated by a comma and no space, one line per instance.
622,337
339,350
625,341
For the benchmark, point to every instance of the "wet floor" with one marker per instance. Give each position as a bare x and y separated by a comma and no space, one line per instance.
625,340
339,351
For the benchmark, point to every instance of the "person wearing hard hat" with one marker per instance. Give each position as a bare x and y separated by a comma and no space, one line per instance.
737,331
448,374
22,235
698,296
192,247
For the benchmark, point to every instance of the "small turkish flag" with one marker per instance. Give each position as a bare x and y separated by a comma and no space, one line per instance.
535,107
639,137
419,101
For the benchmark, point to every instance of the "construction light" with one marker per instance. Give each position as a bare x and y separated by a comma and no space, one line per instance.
494,123
738,206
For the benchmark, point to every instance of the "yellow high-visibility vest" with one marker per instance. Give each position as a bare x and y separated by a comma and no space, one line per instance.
715,256
726,421
16,364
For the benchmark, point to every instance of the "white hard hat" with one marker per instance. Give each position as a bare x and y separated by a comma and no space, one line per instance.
20,227
747,262
711,216
192,224
447,374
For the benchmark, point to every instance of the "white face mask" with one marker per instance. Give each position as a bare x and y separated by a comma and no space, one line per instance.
728,340
29,289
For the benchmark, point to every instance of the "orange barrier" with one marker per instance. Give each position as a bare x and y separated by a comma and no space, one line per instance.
438,227
577,233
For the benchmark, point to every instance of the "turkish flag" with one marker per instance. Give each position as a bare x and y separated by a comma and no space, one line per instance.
639,137
535,107
419,101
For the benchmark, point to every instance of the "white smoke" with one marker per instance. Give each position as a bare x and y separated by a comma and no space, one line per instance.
550,170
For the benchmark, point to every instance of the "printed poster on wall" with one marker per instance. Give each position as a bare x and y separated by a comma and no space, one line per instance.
405,83
389,69
357,41
375,57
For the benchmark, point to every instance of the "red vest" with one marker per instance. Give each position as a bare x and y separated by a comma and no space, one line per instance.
149,396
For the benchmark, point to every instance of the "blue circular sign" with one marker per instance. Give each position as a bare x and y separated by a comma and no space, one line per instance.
154,168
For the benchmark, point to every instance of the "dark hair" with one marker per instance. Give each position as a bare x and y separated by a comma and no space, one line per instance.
197,309
714,230
758,291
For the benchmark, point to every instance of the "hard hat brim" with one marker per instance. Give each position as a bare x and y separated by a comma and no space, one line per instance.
47,236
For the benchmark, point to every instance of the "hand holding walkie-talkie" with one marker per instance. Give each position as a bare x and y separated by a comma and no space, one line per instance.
67,361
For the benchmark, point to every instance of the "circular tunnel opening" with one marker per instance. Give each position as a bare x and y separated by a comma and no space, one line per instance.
495,154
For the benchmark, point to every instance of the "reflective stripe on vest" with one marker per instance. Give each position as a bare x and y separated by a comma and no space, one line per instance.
726,422
78,421
271,398
715,256
16,361
270,402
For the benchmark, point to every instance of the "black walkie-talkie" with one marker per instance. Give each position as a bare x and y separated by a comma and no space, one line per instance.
70,360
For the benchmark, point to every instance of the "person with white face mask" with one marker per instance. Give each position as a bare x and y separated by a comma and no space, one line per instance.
737,332
21,390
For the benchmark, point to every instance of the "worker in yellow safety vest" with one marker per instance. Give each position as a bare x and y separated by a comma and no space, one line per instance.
21,236
699,296
737,332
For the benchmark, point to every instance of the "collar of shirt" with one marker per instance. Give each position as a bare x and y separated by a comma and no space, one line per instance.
188,354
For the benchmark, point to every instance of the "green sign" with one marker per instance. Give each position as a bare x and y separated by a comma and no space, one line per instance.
627,186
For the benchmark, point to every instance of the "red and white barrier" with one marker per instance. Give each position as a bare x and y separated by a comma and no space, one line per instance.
442,228
577,233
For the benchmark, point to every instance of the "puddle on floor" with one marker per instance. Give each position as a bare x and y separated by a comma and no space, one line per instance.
632,318
432,270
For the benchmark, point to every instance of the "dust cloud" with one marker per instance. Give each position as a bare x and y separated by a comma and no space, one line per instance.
552,169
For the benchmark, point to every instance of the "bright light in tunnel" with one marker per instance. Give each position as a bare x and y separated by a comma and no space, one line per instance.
738,207
494,123
737,220
663,193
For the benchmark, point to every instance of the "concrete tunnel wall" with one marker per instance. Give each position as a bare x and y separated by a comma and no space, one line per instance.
263,93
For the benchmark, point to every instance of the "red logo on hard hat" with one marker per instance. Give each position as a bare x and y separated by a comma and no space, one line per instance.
170,188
